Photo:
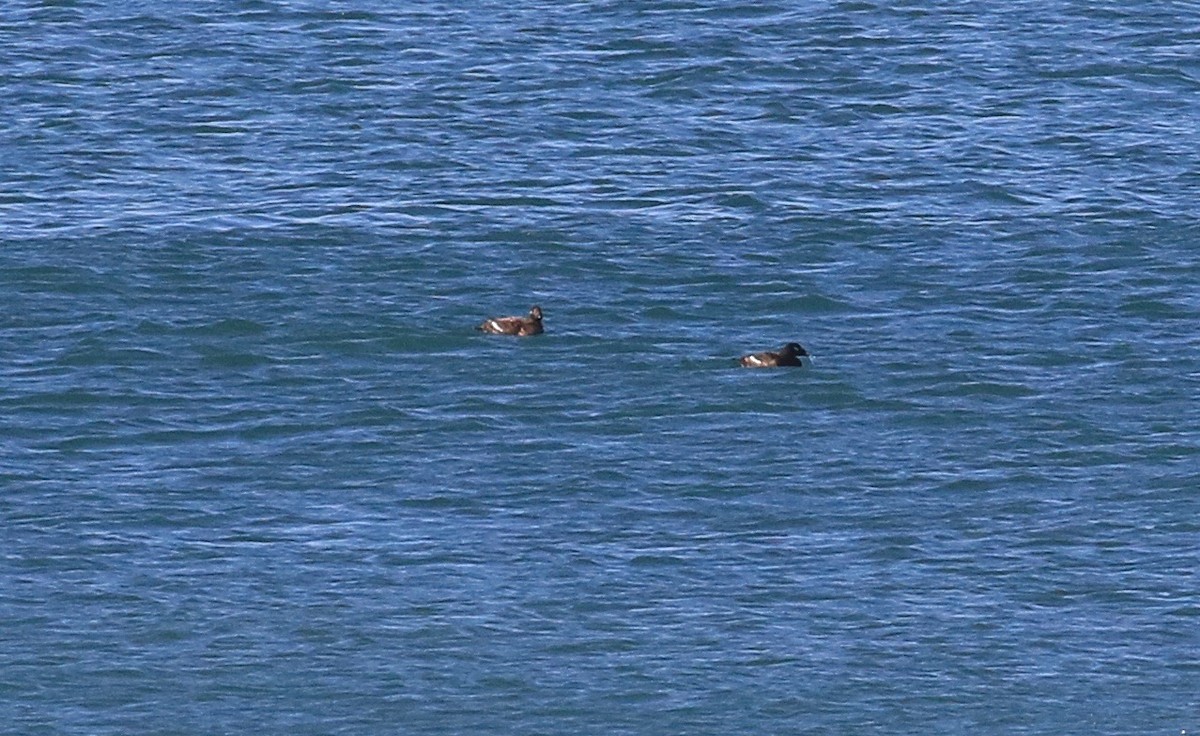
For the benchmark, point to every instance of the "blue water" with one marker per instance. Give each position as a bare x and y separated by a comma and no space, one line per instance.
258,474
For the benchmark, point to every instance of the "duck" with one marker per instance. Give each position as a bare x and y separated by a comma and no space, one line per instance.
520,326
788,355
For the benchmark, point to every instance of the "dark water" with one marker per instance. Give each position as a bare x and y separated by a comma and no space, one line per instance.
258,473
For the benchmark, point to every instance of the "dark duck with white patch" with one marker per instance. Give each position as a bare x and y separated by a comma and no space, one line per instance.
520,326
788,355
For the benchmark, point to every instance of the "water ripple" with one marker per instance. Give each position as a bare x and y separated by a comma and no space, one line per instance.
250,442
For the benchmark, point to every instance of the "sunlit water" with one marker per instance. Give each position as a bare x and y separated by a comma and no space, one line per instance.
259,474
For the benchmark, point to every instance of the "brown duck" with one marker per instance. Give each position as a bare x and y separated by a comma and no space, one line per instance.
788,355
521,326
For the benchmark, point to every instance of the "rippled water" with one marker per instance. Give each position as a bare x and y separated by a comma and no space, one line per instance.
258,472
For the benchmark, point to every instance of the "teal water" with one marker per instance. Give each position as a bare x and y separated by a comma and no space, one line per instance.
259,473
